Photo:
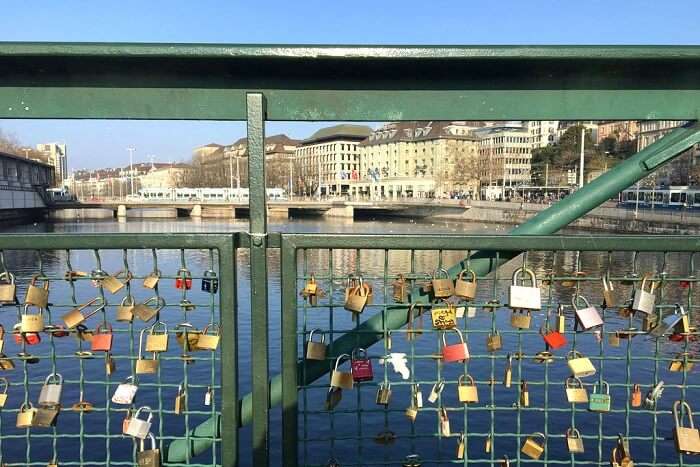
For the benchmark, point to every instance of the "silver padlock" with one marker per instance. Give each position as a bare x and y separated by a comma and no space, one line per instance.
522,297
126,391
669,322
50,394
588,316
645,301
138,427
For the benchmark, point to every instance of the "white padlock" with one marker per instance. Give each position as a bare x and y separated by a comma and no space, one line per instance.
138,427
126,392
588,316
50,394
521,297
644,301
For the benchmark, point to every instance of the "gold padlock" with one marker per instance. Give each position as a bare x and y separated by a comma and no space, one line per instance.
460,447
508,373
113,284
357,299
180,400
46,416
383,394
532,448
574,441
208,341
400,289
488,444
466,289
149,309
467,390
6,363
524,394
521,319
32,322
608,293
575,391
25,416
561,320
144,366
341,379
110,364
494,341
152,279
444,316
8,289
411,412
310,286
125,310
316,350
75,316
157,342
579,365
681,362
443,287
5,385
687,438
37,296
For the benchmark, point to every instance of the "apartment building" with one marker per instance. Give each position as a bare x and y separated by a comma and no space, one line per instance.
505,154
56,155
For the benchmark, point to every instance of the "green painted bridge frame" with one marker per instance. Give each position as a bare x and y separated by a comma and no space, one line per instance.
356,83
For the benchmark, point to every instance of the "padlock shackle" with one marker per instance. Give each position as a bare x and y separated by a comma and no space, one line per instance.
358,354
8,277
576,298
49,378
574,354
164,326
107,326
442,272
679,309
459,333
577,381
338,360
468,271
529,272
134,380
602,384
214,326
572,432
323,335
26,309
184,273
461,379
209,274
39,277
128,297
607,284
541,435
144,408
678,418
142,444
5,384
158,300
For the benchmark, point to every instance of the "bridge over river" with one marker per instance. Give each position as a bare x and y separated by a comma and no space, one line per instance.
23,184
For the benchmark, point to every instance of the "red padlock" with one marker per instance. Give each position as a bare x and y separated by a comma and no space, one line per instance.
102,340
361,366
684,284
30,338
553,339
183,279
455,352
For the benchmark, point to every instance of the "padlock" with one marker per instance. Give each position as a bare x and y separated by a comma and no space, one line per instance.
443,287
187,336
113,284
357,299
681,362
180,400
333,397
561,320
412,460
636,396
521,297
144,366
148,457
411,412
521,319
383,394
51,390
32,322
8,289
532,448
505,462
2,339
620,456
6,363
444,422
110,364
138,427
643,301
341,379
157,339
508,373
151,280
553,339
488,444
575,391
125,310
28,338
400,289
210,283
46,416
37,296
608,293
600,401
53,463
414,330
668,324
126,391
579,365
614,339
471,312
467,390
574,441
316,350
649,322
82,405
310,286
460,447
76,316
417,395
466,289
183,280
361,366
454,352
102,339
4,386
127,418
587,317
444,316
494,341
653,396
687,438
524,394
368,289
25,416
149,309
208,396
435,392
209,341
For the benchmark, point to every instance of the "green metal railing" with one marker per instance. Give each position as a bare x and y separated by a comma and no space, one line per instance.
211,82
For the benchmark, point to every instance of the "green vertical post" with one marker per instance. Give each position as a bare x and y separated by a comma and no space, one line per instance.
288,258
228,313
258,276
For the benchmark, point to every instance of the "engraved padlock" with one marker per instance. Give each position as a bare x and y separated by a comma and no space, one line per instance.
210,283
494,341
600,401
361,365
125,310
139,427
383,394
32,322
574,441
145,366
149,309
467,390
587,317
357,299
454,352
316,350
51,390
8,289
466,289
148,457
210,337
444,315
522,297
37,296
521,319
341,379
126,391
532,448
75,316
687,438
443,287
645,301
579,365
157,338
151,281
575,391
668,324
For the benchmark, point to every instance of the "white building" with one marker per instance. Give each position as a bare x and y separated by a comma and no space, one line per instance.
543,132
505,156
57,155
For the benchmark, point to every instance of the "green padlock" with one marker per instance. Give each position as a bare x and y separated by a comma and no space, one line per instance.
600,401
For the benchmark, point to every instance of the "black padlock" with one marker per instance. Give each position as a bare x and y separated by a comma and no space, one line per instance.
210,283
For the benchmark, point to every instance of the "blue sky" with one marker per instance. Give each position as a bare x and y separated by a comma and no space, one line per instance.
102,143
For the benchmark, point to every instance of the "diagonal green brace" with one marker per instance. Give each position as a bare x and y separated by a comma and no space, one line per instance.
547,222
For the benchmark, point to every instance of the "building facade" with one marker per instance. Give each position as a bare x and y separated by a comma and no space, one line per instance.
683,170
543,132
57,156
419,159
621,130
329,161
165,176
505,155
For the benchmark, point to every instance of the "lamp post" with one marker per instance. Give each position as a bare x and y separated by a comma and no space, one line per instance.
131,168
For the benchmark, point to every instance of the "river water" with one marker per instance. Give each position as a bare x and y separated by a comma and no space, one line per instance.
546,383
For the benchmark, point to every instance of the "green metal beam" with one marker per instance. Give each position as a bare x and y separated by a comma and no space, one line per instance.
547,222
210,82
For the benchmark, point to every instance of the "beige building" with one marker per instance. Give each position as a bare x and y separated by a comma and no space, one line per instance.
165,176
334,152
543,132
505,154
622,130
419,159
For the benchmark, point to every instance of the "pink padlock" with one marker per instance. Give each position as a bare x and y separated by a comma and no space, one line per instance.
361,366
455,352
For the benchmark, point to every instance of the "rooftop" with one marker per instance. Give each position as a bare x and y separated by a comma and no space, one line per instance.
422,131
343,131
